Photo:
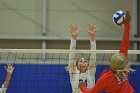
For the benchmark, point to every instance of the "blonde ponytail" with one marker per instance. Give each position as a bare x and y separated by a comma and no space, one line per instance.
118,63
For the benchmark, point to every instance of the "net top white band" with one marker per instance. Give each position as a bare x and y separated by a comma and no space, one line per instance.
65,51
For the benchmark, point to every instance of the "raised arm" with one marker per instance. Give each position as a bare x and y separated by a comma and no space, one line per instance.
9,70
92,31
125,40
74,33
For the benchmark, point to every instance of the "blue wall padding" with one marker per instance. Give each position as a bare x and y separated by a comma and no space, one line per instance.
50,78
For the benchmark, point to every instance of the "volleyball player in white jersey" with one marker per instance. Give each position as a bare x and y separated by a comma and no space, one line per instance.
9,70
81,70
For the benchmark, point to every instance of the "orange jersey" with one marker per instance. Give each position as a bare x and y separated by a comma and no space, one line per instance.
110,83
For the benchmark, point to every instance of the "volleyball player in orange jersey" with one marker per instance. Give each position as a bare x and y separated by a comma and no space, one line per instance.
115,80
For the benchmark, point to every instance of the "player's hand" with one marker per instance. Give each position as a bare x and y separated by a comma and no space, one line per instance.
81,84
74,31
92,31
9,68
128,18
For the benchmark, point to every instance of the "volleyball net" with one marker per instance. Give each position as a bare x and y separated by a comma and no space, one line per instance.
43,70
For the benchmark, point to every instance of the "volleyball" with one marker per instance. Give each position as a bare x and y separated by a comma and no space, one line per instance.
118,17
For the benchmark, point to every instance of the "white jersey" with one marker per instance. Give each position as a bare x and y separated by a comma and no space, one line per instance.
3,89
75,76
